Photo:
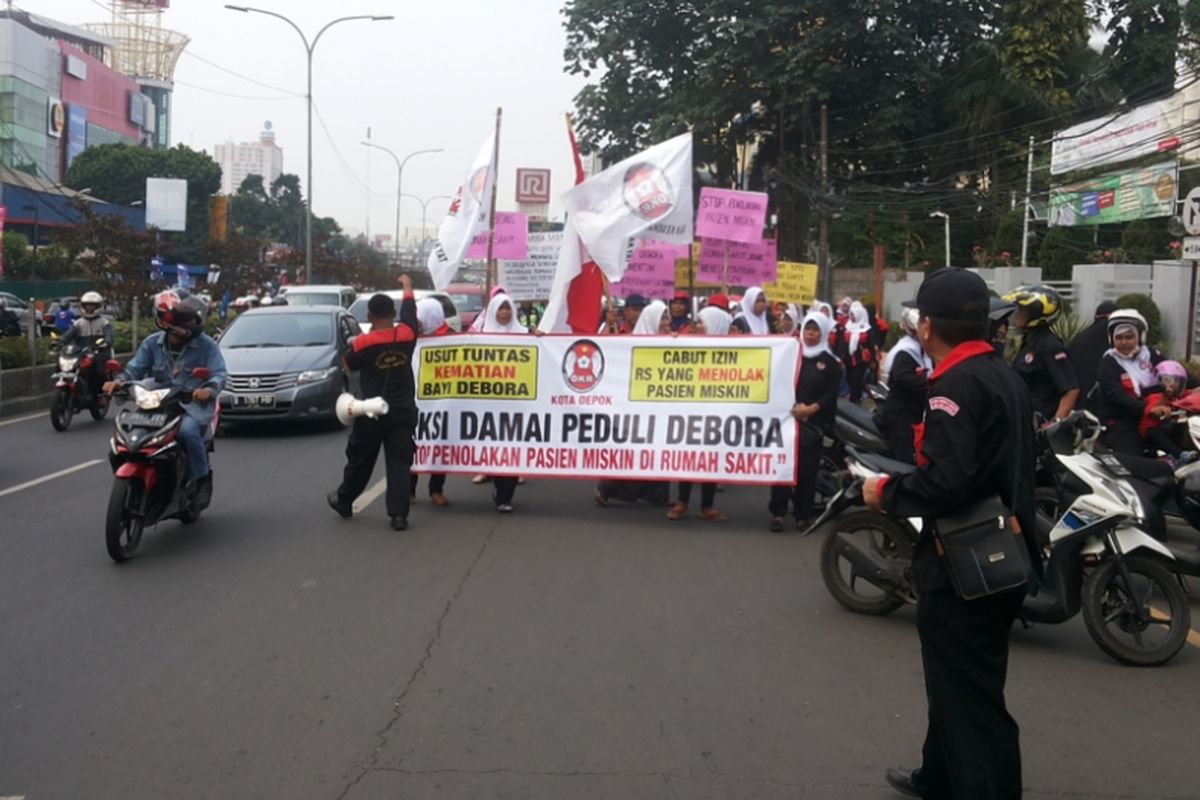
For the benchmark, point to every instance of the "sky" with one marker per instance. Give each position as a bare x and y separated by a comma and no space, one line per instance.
431,78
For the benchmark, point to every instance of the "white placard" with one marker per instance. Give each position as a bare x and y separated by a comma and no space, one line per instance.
1191,248
532,279
1191,212
166,203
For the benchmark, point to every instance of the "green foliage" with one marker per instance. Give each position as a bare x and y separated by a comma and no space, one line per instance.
1008,233
1142,44
1037,37
14,352
1060,250
113,255
1068,326
1145,240
1149,310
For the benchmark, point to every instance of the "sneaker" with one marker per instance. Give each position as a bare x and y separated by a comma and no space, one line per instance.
903,781
504,508
344,510
1188,456
399,523
776,524
439,499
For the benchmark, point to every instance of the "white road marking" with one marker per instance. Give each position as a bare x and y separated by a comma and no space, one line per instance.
20,487
366,498
14,421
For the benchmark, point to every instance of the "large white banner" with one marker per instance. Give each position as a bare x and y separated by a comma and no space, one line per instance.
690,408
533,278
1143,130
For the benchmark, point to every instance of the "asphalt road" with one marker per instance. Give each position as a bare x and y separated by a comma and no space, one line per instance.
273,650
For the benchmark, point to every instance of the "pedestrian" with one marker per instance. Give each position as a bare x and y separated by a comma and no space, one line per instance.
815,411
977,443
477,324
501,317
711,321
634,305
1087,349
431,321
719,300
906,371
383,359
789,320
529,315
756,312
681,312
998,314
1042,360
1125,377
856,349
822,307
654,319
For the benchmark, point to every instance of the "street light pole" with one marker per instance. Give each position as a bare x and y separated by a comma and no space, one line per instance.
425,205
399,185
308,49
945,217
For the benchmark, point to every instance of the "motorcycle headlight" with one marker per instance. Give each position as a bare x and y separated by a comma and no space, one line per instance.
67,364
149,399
315,375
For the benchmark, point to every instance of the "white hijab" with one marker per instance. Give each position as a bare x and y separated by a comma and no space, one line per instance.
492,325
716,320
907,344
650,319
858,324
759,324
821,306
825,324
430,315
1138,367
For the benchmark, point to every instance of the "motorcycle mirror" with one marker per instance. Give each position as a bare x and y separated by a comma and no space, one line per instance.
112,365
201,373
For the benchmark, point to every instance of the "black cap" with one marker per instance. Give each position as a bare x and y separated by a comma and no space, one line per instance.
1104,309
953,293
635,301
380,306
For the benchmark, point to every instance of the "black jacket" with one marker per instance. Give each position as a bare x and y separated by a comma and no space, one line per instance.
819,381
384,359
1044,365
908,391
1085,352
977,441
1119,408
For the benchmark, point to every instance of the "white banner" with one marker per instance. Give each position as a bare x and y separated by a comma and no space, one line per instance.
467,216
533,278
690,408
1150,128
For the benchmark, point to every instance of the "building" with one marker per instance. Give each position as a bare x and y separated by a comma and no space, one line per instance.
238,161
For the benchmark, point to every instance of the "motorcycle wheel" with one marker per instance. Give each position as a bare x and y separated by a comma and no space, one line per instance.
122,530
62,409
888,537
99,408
1109,611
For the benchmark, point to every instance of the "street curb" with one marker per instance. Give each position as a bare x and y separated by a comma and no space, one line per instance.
24,405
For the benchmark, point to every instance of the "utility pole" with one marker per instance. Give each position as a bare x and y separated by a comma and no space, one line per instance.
1028,208
823,210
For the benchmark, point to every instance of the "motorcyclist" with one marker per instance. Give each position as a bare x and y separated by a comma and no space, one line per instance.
169,357
93,326
1042,361
64,316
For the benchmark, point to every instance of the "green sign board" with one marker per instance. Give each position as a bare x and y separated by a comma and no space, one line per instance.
1139,193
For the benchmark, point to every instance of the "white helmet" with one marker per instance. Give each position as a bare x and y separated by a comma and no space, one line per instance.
908,321
94,300
1130,317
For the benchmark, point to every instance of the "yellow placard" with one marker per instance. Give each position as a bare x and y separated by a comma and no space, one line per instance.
478,372
796,283
700,375
681,272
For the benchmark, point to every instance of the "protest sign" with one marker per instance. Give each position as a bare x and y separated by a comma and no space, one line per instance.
731,215
797,283
531,278
682,266
639,407
510,232
651,271
736,264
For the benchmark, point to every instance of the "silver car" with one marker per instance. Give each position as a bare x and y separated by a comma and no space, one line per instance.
286,362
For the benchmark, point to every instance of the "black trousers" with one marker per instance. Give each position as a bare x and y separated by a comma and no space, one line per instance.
1163,438
972,750
394,433
503,489
901,444
708,494
437,483
1124,438
803,493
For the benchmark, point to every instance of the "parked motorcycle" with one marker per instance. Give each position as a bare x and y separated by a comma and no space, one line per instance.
1098,558
72,389
149,464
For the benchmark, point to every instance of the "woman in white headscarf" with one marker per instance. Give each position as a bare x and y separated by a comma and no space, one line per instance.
756,311
477,325
431,319
906,370
856,349
654,319
822,307
711,321
501,317
1124,379
815,410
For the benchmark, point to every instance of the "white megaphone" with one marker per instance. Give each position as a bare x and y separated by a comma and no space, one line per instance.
348,407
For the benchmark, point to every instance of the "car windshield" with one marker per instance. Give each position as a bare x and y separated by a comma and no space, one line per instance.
279,330
313,298
467,302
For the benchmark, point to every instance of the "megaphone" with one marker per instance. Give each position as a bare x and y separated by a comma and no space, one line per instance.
348,407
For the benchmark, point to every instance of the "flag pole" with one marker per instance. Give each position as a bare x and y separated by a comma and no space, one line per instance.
491,261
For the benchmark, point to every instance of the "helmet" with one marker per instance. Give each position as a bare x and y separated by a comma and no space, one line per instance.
1000,310
182,315
1041,304
65,302
909,319
1171,369
94,300
1127,316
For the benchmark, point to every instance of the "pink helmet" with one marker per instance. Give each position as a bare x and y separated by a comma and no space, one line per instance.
1171,369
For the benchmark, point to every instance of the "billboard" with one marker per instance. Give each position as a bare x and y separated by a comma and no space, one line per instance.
1116,197
166,203
76,132
1144,130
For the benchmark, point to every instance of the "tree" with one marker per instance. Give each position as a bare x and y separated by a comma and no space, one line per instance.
114,255
1143,43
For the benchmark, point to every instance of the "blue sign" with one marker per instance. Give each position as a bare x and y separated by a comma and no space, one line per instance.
156,269
183,280
76,131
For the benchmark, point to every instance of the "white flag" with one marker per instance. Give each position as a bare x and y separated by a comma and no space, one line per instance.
468,215
570,264
646,196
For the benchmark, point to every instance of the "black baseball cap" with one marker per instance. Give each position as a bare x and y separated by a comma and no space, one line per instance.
952,293
635,301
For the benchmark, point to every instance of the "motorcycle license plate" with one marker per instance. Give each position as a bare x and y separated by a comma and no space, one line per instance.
145,420
253,400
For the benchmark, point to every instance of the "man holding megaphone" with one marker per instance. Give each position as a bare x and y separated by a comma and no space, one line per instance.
388,417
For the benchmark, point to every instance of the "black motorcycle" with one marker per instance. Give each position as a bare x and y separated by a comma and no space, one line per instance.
75,386
150,465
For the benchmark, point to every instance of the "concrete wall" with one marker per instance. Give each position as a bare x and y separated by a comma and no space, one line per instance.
898,285
1172,295
1095,283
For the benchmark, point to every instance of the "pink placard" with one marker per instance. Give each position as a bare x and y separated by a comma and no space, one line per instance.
651,271
730,215
749,264
510,239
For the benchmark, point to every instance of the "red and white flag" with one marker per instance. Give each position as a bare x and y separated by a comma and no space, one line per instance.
467,216
646,196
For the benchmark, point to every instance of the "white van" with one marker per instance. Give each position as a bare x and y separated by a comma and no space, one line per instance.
329,295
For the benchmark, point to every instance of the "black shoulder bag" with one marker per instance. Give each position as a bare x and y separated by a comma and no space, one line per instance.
984,551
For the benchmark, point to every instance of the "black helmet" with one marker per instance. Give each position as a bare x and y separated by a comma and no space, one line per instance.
179,313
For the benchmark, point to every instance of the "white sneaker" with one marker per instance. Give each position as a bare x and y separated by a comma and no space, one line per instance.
504,508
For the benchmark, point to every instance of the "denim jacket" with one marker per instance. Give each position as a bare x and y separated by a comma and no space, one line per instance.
152,361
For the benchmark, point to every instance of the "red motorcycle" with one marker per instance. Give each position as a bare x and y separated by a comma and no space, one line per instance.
73,389
150,465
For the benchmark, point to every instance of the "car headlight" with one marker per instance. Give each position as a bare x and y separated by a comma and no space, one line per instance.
67,364
149,399
315,375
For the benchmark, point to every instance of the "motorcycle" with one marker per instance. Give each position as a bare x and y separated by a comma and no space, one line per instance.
149,464
72,389
1098,559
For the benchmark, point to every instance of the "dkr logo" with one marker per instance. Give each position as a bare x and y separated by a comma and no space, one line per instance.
583,366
